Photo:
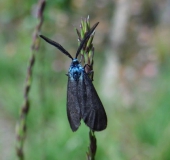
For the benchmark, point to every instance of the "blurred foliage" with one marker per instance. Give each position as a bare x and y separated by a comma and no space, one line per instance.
140,131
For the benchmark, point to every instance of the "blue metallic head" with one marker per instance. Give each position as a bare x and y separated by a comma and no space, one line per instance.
75,70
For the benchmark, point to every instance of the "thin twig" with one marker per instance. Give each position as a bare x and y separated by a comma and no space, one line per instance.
21,125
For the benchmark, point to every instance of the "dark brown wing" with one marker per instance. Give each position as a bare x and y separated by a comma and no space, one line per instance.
73,107
92,109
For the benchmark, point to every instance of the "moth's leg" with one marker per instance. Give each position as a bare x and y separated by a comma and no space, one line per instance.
90,73
87,65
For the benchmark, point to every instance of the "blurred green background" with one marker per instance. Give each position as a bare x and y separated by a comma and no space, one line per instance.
131,66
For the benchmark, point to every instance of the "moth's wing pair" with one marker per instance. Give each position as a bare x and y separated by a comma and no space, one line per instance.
84,102
94,114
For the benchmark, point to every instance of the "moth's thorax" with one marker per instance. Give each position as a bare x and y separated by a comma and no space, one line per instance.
75,70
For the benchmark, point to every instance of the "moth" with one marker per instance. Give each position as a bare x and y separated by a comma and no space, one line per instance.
83,101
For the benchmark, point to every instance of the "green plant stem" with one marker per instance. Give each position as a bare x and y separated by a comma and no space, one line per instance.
21,125
92,147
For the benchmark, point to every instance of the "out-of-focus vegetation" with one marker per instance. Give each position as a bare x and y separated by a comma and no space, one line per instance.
138,118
